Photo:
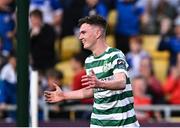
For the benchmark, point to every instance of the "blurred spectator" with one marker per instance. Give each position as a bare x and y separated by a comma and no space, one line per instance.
135,55
172,43
175,3
52,12
148,21
166,26
52,76
140,97
172,84
57,76
73,10
8,5
155,12
77,63
108,3
164,10
7,26
42,43
95,7
128,23
144,3
9,85
154,87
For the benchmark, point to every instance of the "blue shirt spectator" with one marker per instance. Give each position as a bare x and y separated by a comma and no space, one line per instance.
135,55
128,17
7,25
8,85
50,8
172,43
95,7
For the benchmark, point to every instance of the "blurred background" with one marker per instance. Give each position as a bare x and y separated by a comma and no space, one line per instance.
147,31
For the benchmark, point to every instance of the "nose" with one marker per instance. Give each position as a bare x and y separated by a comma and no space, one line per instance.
80,36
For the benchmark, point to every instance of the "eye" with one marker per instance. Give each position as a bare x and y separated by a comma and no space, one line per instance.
83,32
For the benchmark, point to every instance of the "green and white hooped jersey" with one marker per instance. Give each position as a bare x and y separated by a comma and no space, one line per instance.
111,108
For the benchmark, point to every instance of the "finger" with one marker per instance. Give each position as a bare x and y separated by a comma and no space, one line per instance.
84,79
85,84
84,76
56,86
47,96
47,93
89,87
92,72
48,100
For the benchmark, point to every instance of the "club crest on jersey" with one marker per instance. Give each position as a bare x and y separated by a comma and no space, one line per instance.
121,64
106,66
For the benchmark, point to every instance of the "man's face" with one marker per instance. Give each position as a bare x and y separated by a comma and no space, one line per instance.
139,86
135,46
36,21
92,3
87,35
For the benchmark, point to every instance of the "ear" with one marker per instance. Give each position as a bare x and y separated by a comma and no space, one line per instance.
98,33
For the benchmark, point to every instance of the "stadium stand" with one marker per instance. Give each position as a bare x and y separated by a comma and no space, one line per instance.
69,46
110,41
160,59
111,19
65,67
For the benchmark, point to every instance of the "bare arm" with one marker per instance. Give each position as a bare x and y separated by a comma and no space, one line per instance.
58,95
79,94
119,83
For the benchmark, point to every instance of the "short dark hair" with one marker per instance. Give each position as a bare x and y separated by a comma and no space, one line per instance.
93,20
37,13
57,74
80,57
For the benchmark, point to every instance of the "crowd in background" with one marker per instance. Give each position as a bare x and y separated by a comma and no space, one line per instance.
52,20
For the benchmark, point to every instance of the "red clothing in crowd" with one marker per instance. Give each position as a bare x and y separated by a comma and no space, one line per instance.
155,85
172,88
142,100
141,115
155,90
77,84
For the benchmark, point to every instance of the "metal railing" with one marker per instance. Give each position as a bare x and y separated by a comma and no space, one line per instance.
72,109
167,109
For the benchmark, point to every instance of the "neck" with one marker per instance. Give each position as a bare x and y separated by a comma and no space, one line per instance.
100,47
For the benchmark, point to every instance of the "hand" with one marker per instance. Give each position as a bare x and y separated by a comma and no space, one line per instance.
91,80
54,96
35,31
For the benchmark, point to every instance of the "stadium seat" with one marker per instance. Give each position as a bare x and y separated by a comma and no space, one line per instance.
69,46
174,119
57,48
150,42
110,40
111,20
160,58
160,64
65,67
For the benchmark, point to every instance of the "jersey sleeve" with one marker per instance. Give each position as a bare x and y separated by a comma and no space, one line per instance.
119,63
